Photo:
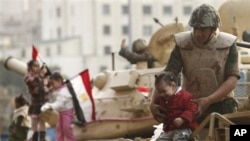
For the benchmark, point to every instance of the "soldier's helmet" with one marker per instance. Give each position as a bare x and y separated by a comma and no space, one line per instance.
205,16
139,45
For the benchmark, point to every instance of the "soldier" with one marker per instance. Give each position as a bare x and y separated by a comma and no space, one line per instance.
140,52
208,60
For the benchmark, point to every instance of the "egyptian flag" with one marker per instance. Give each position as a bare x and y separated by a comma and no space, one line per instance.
80,88
143,90
37,56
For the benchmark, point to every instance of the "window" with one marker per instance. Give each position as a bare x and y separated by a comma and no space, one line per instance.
59,32
103,68
23,53
125,30
125,9
107,50
50,13
106,9
72,10
106,30
59,49
187,10
48,54
72,30
39,13
127,67
58,12
147,30
167,10
146,9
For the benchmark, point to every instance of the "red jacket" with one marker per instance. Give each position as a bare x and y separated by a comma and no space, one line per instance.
179,105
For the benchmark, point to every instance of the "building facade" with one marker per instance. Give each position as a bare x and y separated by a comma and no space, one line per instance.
101,25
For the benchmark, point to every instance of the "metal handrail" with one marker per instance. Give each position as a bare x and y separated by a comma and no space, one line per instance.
211,118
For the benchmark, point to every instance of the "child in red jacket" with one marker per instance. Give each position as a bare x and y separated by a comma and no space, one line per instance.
179,110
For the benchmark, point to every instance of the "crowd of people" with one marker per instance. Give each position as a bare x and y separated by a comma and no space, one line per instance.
40,84
206,58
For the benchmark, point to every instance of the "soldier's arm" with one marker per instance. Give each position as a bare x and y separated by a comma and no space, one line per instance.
175,61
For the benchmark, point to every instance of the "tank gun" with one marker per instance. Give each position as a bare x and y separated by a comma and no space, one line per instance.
243,44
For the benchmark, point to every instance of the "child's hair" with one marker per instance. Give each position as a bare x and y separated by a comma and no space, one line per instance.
21,100
167,77
30,63
44,66
56,76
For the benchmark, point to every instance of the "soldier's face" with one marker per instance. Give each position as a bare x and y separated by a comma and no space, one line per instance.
202,34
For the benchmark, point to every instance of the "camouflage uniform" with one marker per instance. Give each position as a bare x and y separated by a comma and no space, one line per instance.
218,59
140,53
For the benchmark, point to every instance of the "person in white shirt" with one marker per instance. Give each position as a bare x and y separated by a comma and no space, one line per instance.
64,105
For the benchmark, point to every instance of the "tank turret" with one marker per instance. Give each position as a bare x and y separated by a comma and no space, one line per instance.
162,42
235,12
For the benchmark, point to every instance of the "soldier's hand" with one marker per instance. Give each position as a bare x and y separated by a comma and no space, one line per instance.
123,44
203,104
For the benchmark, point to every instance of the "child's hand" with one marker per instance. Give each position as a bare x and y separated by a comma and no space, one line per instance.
46,107
178,121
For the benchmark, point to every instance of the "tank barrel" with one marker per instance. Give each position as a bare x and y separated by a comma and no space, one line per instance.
15,65
243,44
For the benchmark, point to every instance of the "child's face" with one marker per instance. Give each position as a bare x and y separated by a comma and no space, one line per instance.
165,89
35,67
56,84
43,71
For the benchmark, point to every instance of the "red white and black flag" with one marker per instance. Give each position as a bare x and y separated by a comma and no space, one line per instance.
82,96
143,90
37,56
